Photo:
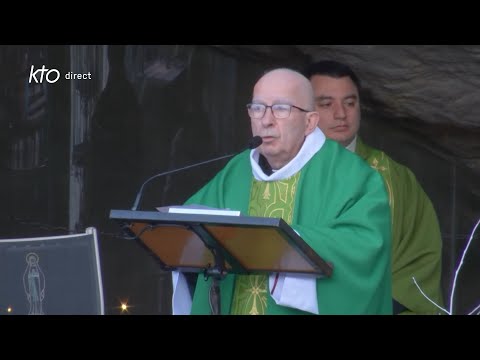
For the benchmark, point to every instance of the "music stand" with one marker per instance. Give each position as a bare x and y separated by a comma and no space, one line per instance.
216,245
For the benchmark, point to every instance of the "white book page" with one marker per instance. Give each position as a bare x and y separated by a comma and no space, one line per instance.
198,209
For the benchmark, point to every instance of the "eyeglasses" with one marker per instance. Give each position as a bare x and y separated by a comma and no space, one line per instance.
279,111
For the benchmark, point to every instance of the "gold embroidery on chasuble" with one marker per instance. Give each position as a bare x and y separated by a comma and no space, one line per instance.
267,199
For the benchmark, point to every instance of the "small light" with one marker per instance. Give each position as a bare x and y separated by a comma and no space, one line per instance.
124,307
9,309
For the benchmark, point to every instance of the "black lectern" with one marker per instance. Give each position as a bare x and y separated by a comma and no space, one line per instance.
216,245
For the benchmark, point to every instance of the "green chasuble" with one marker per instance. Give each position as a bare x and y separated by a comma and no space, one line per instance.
340,209
267,199
416,240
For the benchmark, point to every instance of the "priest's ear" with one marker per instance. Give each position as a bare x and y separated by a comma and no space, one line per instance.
312,118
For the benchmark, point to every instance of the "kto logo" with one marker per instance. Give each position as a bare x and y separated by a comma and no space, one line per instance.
51,78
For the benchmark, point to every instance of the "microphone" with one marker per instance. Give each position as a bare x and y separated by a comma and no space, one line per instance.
253,143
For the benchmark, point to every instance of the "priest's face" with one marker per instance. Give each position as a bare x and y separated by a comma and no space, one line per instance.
284,127
338,104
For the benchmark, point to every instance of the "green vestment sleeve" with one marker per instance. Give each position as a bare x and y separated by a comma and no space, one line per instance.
416,239
341,211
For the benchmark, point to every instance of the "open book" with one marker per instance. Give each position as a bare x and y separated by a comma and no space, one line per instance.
197,209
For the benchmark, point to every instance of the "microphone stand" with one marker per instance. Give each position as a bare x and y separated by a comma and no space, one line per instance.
254,142
140,192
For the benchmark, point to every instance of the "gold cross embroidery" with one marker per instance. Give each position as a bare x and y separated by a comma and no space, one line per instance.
266,193
257,292
375,166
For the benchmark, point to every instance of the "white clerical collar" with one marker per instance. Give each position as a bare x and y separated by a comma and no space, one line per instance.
312,144
353,145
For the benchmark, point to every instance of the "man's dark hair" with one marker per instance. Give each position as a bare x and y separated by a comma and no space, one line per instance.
333,69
